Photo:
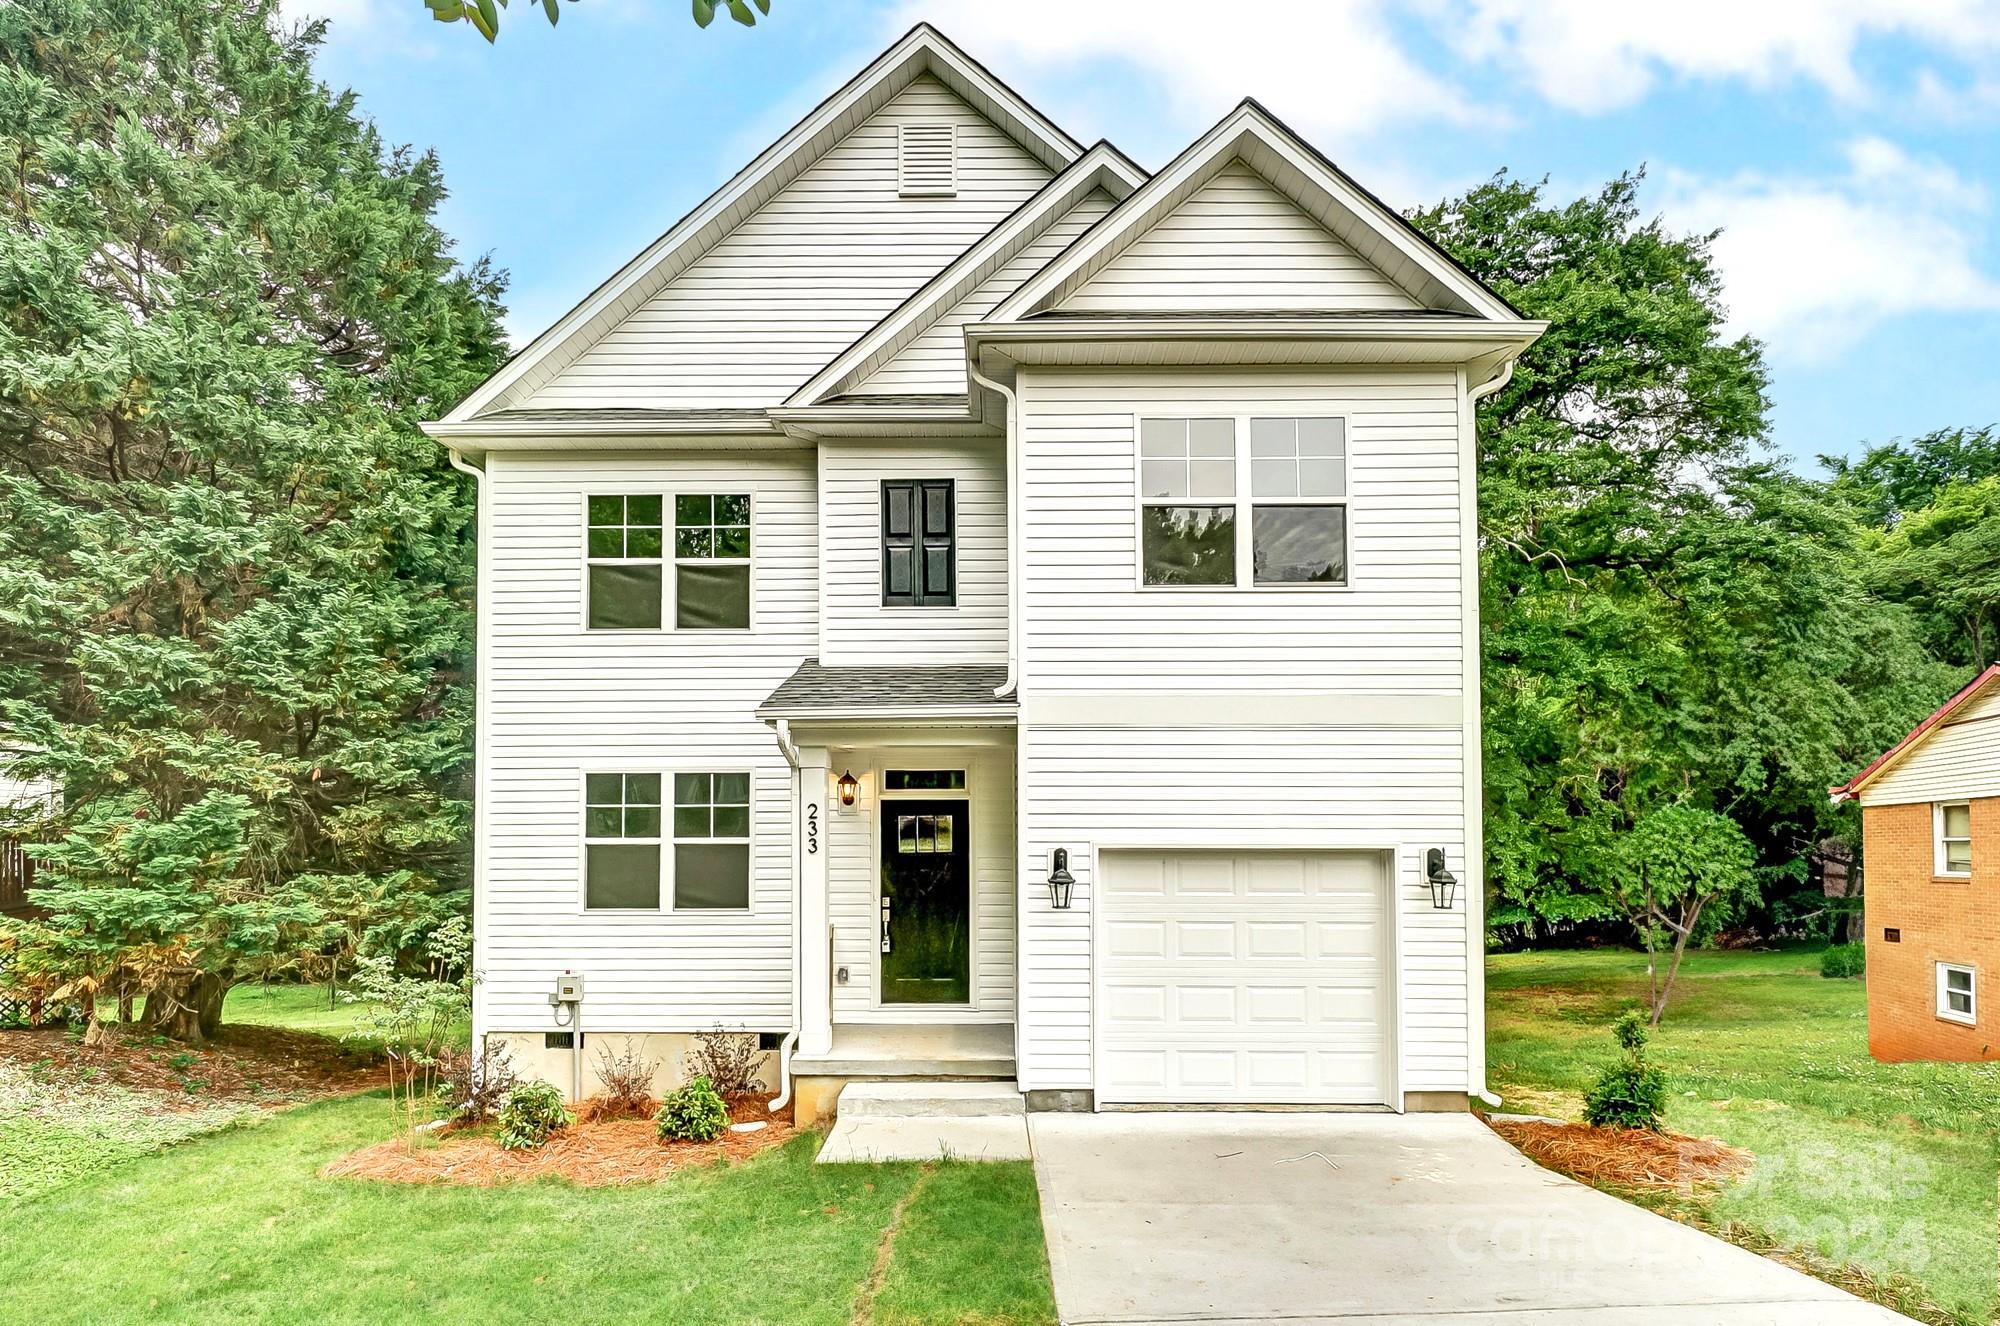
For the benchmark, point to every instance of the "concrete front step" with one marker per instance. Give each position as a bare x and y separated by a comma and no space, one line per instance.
881,1121
908,1100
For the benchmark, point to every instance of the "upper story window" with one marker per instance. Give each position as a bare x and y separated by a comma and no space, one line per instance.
1952,823
624,545
1957,993
919,543
1298,491
712,561
1187,492
927,159
1193,475
626,557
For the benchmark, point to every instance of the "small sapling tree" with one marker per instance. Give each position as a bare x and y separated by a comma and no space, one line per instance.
1679,869
415,1017
1631,1093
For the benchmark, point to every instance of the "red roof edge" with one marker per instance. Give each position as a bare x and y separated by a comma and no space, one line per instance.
1853,785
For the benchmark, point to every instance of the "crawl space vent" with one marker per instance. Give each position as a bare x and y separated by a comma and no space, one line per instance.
927,160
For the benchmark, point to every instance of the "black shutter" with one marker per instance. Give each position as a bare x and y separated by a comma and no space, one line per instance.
919,543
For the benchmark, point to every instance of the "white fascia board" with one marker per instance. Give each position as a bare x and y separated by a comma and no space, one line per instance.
1102,167
922,49
1214,150
1373,340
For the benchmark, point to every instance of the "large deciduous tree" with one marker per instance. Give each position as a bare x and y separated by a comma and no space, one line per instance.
233,576
1667,619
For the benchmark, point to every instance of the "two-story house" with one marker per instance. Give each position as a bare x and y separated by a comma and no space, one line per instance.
959,605
1930,828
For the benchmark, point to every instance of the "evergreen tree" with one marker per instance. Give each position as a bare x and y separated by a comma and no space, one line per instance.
234,578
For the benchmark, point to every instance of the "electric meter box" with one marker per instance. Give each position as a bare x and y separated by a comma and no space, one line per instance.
569,988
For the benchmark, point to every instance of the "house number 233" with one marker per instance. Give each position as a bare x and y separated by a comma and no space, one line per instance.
812,827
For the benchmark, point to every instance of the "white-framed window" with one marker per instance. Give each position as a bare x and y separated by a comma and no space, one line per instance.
621,841
712,561
711,834
1952,825
1187,501
1249,501
1957,993
1298,501
624,556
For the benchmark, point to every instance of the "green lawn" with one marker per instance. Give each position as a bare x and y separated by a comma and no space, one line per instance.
238,1227
1888,1167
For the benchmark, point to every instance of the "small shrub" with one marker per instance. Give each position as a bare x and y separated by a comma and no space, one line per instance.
475,1085
531,1114
694,1113
1630,1093
728,1059
627,1077
1843,960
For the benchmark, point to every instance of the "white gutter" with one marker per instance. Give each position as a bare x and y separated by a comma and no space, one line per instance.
1475,940
482,705
783,728
1013,521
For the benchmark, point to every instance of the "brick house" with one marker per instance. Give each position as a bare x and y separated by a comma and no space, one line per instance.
1930,817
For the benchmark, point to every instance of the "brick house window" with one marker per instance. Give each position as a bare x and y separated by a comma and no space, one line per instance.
1952,822
1957,996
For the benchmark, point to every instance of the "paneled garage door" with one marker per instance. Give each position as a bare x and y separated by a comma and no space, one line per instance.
1243,978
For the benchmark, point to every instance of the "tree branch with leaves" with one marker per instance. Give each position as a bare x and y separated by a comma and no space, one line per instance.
484,15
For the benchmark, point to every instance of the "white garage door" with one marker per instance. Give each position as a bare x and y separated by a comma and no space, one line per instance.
1243,978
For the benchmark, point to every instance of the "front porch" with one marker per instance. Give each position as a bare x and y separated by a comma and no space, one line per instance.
942,1050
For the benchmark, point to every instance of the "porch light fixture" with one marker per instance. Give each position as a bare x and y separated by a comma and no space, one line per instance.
1444,884
1060,880
848,787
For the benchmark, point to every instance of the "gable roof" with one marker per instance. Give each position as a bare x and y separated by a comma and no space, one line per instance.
1252,135
922,50
1102,167
1917,736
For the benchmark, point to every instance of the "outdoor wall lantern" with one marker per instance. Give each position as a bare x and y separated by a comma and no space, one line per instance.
1060,880
848,787
1443,883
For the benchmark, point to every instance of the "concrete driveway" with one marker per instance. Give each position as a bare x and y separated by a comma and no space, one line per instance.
1221,1218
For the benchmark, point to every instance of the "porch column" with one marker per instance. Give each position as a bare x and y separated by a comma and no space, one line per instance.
815,936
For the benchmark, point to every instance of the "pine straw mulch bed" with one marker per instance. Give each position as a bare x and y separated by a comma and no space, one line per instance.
590,1154
1625,1157
250,1064
1671,1174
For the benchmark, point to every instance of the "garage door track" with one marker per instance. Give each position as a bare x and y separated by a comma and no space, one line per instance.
1389,1220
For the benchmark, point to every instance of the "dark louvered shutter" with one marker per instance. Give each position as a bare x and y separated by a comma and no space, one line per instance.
919,543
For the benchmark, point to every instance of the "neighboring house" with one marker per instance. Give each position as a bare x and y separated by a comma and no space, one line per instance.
22,799
944,508
1930,826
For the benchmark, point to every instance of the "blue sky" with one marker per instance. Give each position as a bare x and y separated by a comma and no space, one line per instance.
1848,149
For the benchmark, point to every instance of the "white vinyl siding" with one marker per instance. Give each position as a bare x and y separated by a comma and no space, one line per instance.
856,626
1192,777
935,361
854,866
1238,243
1293,787
1960,761
1090,626
565,701
807,273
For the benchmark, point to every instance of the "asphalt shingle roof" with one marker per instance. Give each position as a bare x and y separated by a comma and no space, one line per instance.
949,686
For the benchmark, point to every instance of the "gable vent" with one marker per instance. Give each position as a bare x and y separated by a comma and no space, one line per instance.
927,159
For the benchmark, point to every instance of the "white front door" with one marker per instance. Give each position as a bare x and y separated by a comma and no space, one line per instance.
1243,978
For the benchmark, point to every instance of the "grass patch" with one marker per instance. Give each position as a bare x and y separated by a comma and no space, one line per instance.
1887,1167
238,1227
970,1249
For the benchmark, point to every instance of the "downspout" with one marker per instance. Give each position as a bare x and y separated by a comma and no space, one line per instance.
1013,523
783,727
1472,398
481,714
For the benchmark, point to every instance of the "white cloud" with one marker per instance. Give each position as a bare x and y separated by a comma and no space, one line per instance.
1332,68
1811,265
1594,56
